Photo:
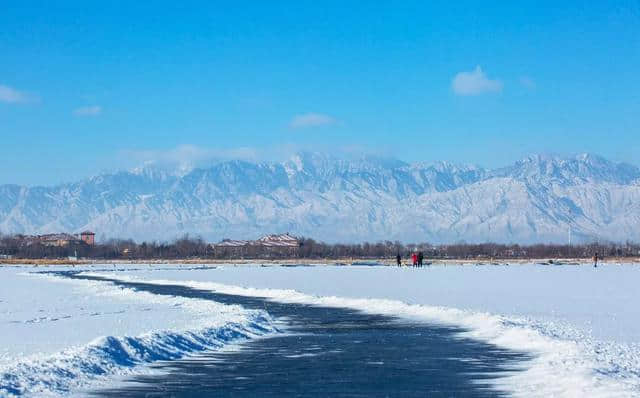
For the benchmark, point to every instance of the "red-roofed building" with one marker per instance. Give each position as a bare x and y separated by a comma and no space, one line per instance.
282,245
58,240
88,237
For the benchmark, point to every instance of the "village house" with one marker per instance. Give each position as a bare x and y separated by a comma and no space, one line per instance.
231,248
275,245
88,237
283,244
58,239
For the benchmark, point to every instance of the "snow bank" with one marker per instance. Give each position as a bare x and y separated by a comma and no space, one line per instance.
542,310
104,331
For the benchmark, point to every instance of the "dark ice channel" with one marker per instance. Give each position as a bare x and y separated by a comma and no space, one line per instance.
326,352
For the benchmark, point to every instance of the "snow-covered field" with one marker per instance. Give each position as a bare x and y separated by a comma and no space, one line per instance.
60,335
581,324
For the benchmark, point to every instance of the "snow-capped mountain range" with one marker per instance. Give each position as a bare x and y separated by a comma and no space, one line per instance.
537,199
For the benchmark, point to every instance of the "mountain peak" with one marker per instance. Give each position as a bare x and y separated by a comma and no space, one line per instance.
581,168
338,199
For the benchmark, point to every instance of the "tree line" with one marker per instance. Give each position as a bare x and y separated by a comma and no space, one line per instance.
388,249
188,247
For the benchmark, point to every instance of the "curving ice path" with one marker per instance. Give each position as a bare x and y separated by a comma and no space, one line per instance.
580,325
326,351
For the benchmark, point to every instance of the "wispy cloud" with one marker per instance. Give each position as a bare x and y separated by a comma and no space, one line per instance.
474,83
93,110
12,96
527,82
311,120
184,158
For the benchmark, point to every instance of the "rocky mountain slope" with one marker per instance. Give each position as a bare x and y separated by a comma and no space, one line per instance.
537,199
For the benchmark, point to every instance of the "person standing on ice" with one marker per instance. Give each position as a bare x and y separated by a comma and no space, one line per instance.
420,259
595,260
414,259
398,259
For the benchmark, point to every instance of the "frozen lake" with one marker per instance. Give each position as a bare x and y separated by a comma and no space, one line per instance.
572,330
328,351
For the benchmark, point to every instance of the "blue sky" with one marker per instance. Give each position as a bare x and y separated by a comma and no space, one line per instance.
89,87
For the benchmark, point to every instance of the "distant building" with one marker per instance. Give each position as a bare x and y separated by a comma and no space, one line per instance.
88,237
232,243
231,248
283,244
282,240
58,240
277,245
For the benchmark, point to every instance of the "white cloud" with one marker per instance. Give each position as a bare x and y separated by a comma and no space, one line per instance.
474,83
93,110
311,120
11,95
528,82
184,158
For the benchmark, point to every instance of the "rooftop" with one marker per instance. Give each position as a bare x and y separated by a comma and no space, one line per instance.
274,240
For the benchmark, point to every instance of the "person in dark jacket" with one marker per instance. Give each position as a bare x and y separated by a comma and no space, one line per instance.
398,260
595,260
420,259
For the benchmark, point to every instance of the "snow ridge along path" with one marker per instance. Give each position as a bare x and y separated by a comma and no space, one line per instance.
194,326
565,363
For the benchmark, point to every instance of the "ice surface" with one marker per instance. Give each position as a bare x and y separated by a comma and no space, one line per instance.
59,335
581,323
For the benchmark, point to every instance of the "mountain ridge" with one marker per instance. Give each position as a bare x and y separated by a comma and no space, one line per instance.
537,199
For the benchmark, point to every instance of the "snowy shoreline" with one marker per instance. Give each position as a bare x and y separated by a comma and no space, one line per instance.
320,261
73,335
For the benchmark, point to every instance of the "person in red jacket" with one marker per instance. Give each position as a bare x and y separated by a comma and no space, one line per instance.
414,259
